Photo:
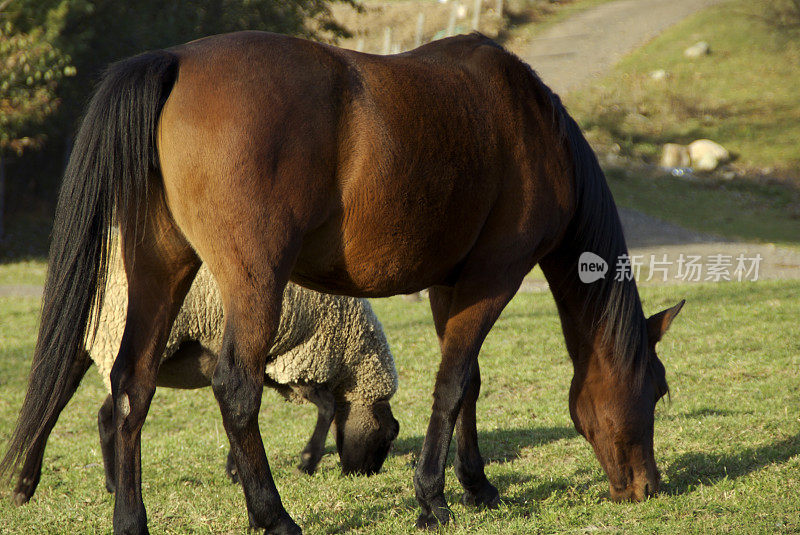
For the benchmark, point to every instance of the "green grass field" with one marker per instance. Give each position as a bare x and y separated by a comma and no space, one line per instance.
728,442
738,209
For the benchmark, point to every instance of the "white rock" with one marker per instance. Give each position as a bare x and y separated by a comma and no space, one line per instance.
659,74
708,162
697,50
674,155
707,155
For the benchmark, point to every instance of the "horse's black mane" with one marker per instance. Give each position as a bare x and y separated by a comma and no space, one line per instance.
596,227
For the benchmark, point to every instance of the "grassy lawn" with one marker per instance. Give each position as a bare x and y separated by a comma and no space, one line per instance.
728,442
740,209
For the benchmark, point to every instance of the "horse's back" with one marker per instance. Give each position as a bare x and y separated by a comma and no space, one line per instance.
376,160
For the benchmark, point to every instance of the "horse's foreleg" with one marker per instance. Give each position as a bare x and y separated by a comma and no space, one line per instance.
472,311
326,409
32,468
468,463
238,384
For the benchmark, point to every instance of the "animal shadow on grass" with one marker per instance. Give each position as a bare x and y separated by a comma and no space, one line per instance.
497,445
691,469
699,413
502,446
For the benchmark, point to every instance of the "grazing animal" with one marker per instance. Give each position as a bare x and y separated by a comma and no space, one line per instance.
328,350
268,159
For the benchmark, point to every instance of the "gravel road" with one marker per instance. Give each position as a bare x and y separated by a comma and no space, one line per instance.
586,45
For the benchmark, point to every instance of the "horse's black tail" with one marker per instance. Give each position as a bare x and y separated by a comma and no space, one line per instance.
105,182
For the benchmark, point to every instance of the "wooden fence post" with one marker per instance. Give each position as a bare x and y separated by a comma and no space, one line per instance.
387,40
476,15
2,197
451,24
420,28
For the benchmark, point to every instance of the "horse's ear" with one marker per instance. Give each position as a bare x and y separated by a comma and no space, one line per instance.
657,324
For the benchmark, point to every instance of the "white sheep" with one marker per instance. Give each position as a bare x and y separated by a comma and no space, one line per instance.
329,350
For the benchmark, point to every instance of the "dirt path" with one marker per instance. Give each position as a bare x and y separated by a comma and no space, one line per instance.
570,53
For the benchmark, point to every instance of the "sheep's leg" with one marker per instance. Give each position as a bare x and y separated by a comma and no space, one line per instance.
471,309
315,448
326,408
32,468
105,425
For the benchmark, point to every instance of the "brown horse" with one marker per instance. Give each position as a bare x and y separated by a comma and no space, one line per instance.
450,167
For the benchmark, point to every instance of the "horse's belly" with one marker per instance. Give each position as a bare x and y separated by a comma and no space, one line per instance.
378,254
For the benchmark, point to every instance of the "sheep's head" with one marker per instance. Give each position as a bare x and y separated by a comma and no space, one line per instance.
364,435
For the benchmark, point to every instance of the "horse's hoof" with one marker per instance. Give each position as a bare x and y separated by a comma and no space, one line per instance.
24,490
285,526
486,497
307,468
292,529
111,486
21,498
434,519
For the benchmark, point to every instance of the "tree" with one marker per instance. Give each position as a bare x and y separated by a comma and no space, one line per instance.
80,37
31,70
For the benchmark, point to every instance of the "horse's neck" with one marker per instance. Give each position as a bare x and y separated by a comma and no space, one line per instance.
583,307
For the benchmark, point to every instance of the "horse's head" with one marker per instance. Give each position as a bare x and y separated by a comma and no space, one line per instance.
616,414
364,435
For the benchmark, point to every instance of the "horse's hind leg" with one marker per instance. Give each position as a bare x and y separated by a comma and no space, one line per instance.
160,268
239,379
32,469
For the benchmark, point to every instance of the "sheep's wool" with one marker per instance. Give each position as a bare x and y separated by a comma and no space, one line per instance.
322,339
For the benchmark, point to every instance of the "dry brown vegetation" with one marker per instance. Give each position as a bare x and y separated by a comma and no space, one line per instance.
401,18
517,23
